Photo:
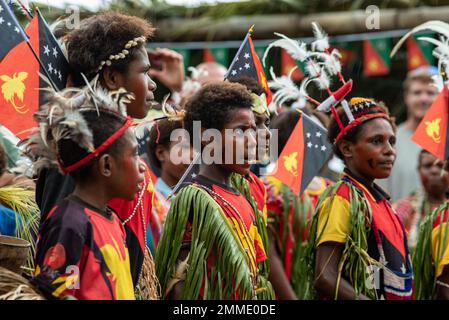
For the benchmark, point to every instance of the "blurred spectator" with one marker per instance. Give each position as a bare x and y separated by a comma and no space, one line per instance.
163,153
419,93
211,71
167,66
7,177
421,202
200,75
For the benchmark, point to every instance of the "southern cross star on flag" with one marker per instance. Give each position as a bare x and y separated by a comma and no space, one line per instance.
17,83
10,30
247,63
306,151
20,96
51,56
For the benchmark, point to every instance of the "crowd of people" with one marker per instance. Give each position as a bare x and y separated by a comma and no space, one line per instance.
116,218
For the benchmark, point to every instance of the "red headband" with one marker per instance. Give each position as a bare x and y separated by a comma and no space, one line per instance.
359,121
101,148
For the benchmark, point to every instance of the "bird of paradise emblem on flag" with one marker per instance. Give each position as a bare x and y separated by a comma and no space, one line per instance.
290,163
13,90
433,129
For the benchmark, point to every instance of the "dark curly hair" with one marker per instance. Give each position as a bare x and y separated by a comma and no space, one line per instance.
250,83
351,135
102,127
214,104
162,138
99,37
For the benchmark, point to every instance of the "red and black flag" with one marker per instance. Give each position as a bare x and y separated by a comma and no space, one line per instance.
19,79
51,56
247,63
306,151
432,132
11,31
20,96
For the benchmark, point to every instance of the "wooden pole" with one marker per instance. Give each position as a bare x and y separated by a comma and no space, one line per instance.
293,25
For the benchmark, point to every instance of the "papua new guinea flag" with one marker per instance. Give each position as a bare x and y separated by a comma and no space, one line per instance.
305,152
247,63
431,133
376,58
19,84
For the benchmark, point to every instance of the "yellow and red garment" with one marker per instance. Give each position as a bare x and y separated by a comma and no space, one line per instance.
333,226
259,193
440,242
160,208
412,210
243,213
82,252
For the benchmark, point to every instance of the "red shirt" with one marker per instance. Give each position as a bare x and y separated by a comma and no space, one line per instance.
82,252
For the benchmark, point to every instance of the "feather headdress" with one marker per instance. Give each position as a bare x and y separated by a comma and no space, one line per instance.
286,90
321,65
62,118
441,50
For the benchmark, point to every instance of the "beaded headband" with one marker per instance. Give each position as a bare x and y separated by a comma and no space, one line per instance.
361,110
122,54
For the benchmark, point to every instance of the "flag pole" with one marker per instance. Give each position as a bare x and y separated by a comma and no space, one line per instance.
27,10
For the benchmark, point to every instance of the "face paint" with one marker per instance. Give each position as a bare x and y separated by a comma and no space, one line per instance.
373,153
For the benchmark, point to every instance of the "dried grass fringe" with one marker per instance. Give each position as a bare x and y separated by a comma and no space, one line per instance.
15,287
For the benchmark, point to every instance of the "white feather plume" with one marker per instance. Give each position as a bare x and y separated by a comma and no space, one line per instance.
285,88
331,62
434,25
317,74
323,82
312,69
322,40
441,52
294,48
